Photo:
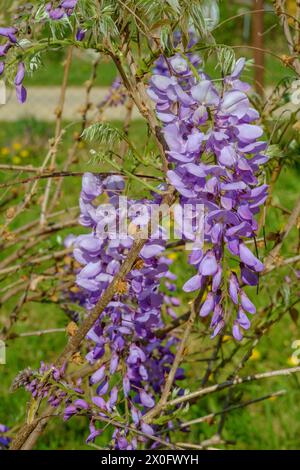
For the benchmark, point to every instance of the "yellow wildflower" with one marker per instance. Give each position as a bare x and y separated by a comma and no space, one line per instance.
255,356
226,338
5,151
16,160
293,361
17,146
24,153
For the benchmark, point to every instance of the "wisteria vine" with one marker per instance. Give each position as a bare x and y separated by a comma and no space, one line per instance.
201,121
214,156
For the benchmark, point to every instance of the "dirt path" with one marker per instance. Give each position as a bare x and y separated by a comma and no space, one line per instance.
42,101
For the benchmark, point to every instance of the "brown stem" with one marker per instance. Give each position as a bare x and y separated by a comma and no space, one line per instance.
231,383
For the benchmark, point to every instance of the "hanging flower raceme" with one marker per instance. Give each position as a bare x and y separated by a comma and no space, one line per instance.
128,324
131,360
4,438
57,9
116,95
20,89
44,383
10,35
215,155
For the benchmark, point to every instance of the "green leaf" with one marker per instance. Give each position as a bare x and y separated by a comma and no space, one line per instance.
102,133
174,4
33,409
274,151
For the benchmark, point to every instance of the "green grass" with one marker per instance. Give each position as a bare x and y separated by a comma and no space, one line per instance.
51,71
273,424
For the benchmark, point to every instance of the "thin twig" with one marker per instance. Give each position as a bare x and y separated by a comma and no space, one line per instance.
231,383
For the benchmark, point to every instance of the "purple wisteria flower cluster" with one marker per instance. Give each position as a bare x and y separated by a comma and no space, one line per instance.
215,156
116,95
10,36
162,65
44,383
57,9
4,439
127,327
133,359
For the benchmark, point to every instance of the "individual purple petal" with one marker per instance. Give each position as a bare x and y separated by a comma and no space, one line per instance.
80,34
235,103
69,4
136,355
100,402
218,328
21,93
166,117
114,362
91,185
160,82
114,183
193,284
148,430
227,156
179,64
194,169
233,246
9,32
91,270
216,233
136,415
208,265
249,259
243,320
217,278
146,399
205,93
245,212
233,288
248,132
98,375
247,304
208,305
248,276
91,244
93,433
238,68
56,13
81,404
20,74
126,385
236,331
89,284
196,256
102,389
69,412
237,185
149,251
4,48
113,397
194,141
